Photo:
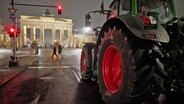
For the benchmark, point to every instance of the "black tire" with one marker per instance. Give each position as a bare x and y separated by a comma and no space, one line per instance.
124,69
86,61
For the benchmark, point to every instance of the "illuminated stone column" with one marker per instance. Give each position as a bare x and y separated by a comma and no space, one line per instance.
61,35
42,33
34,32
31,33
70,38
23,32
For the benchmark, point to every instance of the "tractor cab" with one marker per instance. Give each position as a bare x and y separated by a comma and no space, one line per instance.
161,10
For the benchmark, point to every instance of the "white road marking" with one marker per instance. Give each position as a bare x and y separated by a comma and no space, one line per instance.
43,67
5,70
76,76
46,78
57,67
35,101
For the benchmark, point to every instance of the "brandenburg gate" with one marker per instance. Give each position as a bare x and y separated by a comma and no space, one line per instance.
33,29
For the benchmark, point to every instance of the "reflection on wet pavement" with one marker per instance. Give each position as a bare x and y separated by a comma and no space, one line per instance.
33,88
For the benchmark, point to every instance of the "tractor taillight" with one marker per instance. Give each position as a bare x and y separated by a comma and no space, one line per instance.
149,22
146,20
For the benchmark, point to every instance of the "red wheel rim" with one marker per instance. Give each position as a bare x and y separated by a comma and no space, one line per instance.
112,69
83,61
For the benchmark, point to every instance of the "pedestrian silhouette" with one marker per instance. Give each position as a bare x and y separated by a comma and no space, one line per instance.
36,50
54,52
60,49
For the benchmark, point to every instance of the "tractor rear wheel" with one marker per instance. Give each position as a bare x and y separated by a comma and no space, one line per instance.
86,61
124,69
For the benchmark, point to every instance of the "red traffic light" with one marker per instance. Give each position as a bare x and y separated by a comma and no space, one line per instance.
59,9
13,31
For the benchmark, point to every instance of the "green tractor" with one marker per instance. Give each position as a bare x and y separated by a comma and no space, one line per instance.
138,57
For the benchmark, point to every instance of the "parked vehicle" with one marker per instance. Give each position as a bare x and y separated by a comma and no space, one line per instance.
139,54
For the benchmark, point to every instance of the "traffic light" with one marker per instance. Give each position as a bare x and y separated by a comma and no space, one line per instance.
88,20
59,9
13,31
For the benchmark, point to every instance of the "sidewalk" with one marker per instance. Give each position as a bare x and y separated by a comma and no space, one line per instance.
7,73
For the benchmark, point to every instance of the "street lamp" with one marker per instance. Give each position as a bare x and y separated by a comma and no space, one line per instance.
87,29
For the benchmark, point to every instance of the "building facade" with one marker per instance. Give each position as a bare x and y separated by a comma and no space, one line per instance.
46,30
33,28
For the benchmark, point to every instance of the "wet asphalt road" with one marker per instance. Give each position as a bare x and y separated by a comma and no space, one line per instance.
51,81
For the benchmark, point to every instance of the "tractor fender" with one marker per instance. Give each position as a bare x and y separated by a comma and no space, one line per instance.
134,24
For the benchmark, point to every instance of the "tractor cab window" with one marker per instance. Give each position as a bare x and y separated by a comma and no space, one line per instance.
124,7
114,8
120,7
159,9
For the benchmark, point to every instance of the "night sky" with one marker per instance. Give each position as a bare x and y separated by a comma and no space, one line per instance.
73,9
